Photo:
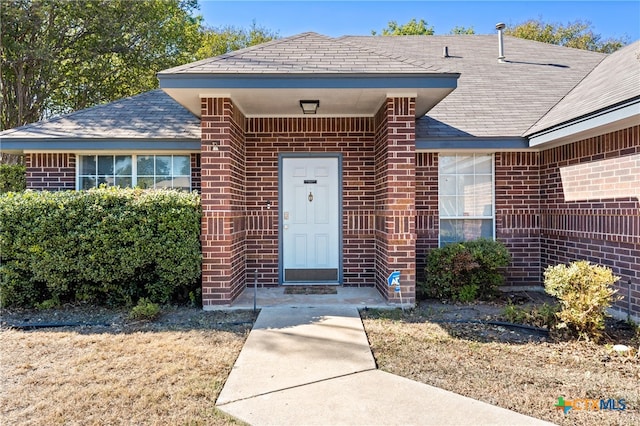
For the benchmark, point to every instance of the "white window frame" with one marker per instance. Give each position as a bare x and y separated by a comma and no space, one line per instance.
493,194
134,164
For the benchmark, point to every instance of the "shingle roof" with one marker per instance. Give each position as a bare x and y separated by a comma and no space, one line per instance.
305,53
492,99
150,115
616,79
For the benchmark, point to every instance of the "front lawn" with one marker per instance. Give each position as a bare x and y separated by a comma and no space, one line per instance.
163,373
108,369
504,367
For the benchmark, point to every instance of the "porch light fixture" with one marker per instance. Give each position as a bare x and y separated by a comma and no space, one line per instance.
309,106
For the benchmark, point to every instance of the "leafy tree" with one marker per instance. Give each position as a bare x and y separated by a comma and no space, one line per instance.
462,30
412,27
59,56
576,34
218,41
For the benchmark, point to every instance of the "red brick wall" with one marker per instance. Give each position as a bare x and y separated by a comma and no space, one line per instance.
517,214
578,221
222,169
265,139
395,194
517,205
427,219
51,172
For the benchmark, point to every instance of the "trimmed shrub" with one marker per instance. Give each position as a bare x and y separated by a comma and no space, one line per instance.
107,246
492,257
465,271
13,178
585,292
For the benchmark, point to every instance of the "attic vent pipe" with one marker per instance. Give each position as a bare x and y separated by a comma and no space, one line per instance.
445,52
500,26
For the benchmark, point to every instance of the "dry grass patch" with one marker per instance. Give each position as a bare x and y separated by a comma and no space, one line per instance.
526,377
167,374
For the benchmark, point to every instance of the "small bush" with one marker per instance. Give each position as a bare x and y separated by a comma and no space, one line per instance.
538,316
47,304
465,271
515,314
585,292
13,178
547,315
145,310
107,246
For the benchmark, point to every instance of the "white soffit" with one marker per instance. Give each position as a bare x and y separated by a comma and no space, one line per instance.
283,102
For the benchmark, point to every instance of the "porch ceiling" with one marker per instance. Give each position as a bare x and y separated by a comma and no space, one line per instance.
262,96
285,102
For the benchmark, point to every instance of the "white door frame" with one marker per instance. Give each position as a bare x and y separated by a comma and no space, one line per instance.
312,155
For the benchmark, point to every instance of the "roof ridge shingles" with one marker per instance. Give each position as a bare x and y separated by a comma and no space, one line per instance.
235,53
305,53
396,57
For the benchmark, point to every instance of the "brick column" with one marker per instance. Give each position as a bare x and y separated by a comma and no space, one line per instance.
223,201
395,193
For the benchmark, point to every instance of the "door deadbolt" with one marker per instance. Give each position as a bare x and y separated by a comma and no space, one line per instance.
310,196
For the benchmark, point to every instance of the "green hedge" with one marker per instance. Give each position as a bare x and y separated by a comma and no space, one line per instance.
13,178
465,271
107,246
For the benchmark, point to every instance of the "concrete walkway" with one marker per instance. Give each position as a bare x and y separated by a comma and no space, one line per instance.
313,366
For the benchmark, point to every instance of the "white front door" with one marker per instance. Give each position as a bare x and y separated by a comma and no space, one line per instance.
310,218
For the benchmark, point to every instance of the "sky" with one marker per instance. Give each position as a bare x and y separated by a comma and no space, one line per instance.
610,19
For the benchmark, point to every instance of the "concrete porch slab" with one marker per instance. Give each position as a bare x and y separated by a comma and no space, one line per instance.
358,297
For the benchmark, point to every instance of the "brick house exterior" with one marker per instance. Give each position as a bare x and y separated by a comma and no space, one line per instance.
603,229
378,205
564,175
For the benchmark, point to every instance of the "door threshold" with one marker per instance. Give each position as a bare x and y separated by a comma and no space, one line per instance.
310,289
309,284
